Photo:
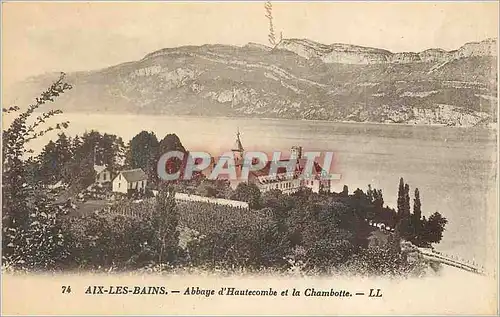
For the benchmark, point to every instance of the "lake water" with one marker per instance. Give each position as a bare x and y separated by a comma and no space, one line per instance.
454,168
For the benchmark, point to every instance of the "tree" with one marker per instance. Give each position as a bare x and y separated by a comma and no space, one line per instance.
378,199
207,189
345,191
93,144
401,198
417,206
381,261
433,228
165,221
76,146
326,230
112,150
63,150
406,205
80,173
249,193
105,149
369,193
109,240
48,163
143,153
92,148
53,157
171,142
279,203
31,237
246,245
403,224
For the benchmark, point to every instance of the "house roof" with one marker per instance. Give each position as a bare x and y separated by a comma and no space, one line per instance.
99,168
134,175
299,167
265,171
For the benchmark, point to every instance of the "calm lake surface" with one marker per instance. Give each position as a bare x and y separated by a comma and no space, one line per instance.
454,168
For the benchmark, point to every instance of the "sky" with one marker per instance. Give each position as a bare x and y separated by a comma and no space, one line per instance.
61,36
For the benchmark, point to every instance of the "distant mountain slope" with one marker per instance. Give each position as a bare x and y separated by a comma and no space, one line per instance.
353,54
300,79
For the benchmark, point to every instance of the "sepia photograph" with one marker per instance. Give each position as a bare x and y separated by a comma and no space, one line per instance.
249,158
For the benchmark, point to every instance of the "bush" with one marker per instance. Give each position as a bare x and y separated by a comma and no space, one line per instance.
247,247
104,241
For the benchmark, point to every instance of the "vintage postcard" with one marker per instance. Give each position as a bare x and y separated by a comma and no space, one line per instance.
250,158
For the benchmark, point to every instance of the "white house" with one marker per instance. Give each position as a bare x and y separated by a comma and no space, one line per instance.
135,179
102,174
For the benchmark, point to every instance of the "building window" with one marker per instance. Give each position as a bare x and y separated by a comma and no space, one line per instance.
119,185
104,176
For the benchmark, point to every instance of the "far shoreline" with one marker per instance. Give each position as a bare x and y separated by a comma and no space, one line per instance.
493,127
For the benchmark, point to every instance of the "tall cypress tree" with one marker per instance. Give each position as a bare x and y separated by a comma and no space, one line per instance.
401,197
417,206
416,222
403,226
406,206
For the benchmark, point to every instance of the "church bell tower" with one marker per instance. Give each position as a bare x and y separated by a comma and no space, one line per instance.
238,152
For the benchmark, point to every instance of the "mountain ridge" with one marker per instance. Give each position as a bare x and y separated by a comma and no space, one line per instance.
435,86
346,53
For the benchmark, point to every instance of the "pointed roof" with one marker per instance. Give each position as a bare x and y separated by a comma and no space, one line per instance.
281,171
238,147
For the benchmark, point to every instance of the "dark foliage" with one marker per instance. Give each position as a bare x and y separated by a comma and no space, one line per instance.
143,152
31,234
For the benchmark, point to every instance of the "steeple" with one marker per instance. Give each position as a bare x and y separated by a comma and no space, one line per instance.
238,147
238,153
